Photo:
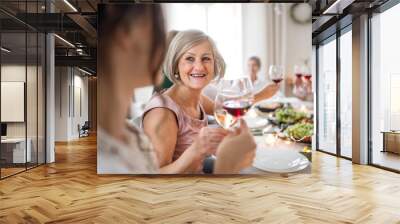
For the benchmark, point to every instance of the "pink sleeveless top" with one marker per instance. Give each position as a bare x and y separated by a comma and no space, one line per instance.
188,127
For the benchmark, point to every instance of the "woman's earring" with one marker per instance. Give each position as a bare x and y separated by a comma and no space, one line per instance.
176,76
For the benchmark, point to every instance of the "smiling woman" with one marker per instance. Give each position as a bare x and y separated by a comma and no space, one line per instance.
196,66
175,120
183,51
192,61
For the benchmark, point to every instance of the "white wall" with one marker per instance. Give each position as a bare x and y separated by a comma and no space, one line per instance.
261,32
12,73
299,39
61,95
255,34
12,101
69,85
33,126
270,33
80,111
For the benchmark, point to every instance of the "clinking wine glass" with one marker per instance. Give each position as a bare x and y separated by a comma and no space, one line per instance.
276,75
234,99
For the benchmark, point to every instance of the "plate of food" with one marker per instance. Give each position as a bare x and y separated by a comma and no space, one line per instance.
287,115
300,132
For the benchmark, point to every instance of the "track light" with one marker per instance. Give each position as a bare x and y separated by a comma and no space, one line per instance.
337,7
65,41
84,71
70,5
5,50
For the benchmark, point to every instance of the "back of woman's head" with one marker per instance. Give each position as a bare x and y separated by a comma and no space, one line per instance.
114,17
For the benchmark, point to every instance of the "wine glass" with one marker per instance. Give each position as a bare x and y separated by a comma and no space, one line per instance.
307,73
276,75
298,72
233,100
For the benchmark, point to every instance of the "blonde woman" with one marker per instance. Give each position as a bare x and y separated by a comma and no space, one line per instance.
175,120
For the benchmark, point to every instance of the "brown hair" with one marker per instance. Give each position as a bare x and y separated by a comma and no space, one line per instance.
256,60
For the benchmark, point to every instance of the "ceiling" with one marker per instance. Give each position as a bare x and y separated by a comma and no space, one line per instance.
72,20
332,15
76,22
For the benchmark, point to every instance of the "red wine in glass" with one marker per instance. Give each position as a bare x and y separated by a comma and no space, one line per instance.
307,77
237,108
298,75
277,81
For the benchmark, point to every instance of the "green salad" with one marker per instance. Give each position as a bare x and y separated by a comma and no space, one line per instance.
300,130
288,115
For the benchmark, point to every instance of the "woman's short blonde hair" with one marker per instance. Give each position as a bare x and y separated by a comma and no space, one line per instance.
181,43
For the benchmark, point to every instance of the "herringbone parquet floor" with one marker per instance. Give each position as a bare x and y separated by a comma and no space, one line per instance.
70,191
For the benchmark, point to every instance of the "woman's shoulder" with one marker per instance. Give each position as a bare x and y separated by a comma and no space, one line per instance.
161,100
161,106
135,156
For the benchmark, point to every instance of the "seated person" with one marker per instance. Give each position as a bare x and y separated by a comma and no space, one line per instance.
300,86
262,89
175,119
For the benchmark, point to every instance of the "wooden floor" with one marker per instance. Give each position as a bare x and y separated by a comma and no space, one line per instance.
10,171
70,191
5,172
387,159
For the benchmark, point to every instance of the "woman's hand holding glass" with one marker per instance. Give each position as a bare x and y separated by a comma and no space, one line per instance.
208,140
205,144
233,100
236,151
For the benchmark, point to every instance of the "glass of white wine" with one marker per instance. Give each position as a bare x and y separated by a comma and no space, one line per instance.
233,100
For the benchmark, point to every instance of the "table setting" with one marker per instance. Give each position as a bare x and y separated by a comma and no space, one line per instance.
282,127
283,143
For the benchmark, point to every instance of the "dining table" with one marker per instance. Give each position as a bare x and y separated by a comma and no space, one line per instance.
273,152
272,145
